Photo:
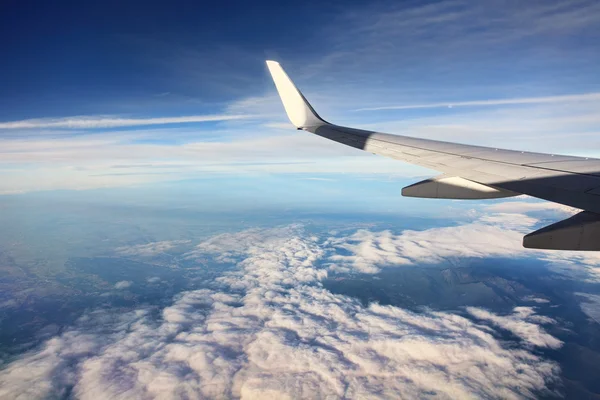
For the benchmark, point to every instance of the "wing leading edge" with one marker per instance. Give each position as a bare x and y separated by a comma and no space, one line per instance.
474,172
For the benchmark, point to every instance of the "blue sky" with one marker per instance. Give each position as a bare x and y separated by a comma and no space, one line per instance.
118,95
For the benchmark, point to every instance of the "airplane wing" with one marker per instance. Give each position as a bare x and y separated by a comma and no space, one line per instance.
474,172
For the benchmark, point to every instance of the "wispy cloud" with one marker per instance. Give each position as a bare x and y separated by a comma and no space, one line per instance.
91,161
92,122
591,305
573,98
523,323
123,285
150,249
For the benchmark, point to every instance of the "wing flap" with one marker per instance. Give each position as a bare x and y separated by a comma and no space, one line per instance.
454,187
580,232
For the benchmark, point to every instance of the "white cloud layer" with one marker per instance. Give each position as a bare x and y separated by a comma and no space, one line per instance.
498,234
591,305
150,249
97,160
272,331
522,323
490,235
520,207
123,284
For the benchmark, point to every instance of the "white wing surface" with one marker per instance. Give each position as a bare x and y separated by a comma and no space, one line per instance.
474,172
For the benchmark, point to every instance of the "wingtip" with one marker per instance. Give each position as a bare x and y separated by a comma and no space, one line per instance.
299,111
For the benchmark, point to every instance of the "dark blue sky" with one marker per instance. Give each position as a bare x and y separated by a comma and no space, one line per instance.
66,56
69,58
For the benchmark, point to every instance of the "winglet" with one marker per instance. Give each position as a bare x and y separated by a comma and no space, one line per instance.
298,110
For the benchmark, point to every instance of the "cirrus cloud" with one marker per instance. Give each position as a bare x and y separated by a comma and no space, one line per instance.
94,122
